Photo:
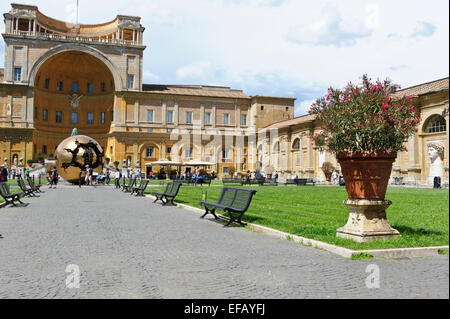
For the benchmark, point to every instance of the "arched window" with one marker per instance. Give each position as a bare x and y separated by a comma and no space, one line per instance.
435,124
296,145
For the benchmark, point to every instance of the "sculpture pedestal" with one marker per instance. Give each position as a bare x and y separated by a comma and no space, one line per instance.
367,221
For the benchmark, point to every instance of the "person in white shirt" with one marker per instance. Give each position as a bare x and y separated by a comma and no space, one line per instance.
117,179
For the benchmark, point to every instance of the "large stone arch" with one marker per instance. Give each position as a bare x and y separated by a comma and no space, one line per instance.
118,84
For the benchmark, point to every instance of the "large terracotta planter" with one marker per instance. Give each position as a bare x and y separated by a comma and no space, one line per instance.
366,174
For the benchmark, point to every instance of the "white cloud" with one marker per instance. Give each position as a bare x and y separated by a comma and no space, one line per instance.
303,107
195,70
424,29
149,77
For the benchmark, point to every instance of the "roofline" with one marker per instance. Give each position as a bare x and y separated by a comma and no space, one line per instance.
274,97
304,115
417,85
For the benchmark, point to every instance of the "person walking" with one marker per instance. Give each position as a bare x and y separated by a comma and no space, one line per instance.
54,177
249,176
117,179
107,178
88,178
3,174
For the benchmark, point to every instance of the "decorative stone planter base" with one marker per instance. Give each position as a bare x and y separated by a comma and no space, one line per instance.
367,221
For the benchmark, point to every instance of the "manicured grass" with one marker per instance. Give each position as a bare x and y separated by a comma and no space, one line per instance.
317,211
36,181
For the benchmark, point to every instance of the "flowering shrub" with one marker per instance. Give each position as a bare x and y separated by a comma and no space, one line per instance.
364,118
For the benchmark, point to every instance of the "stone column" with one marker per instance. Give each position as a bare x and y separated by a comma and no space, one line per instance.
136,112
202,115
238,115
413,159
164,112
175,113
213,115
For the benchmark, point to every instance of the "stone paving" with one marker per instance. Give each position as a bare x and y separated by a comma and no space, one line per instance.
127,247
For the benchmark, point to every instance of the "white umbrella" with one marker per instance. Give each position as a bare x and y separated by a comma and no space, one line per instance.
164,162
197,163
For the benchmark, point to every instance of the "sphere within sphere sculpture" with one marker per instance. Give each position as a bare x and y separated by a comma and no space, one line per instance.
74,154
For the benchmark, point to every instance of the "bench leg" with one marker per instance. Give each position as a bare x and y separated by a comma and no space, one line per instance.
209,211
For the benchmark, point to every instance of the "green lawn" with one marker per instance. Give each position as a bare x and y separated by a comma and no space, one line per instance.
317,211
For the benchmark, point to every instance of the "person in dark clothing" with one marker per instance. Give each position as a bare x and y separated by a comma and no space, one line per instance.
3,174
54,177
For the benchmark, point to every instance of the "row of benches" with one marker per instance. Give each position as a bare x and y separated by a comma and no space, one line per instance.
13,198
133,188
253,181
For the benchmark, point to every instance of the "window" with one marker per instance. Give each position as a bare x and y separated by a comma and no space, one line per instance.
102,117
244,119
169,130
46,83
208,118
287,108
435,124
169,150
150,129
103,86
225,153
169,116
188,117
296,144
276,147
262,107
226,119
225,170
17,74
74,118
149,115
90,118
112,116
44,149
149,151
112,85
35,113
188,152
75,87
58,116
59,86
45,115
90,87
130,81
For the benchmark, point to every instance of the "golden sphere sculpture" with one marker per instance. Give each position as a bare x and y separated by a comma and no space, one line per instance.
74,154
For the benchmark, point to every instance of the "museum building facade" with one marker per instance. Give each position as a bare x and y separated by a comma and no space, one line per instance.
59,76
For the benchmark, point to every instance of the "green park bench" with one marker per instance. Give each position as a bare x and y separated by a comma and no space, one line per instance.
234,201
8,197
139,190
128,188
169,193
239,181
36,188
26,190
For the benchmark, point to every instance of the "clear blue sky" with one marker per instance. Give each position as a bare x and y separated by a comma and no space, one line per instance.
278,47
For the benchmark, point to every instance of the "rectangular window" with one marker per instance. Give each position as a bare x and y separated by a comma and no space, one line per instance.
90,118
59,86
149,115
75,87
112,116
17,74
169,116
244,119
103,86
44,149
226,119
225,170
47,83
90,87
58,116
130,81
207,118
150,129
102,117
74,118
169,149
188,152
45,115
188,117
225,153
149,151
36,112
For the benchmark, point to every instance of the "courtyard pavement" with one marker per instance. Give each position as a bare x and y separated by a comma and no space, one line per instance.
127,247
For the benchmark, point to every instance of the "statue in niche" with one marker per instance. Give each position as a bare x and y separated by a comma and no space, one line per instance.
435,151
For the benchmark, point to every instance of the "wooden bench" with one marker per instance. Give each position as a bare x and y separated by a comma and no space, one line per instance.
202,181
26,190
127,188
234,201
169,193
8,197
36,188
139,190
300,181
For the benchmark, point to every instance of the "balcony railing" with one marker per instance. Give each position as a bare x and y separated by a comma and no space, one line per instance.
77,38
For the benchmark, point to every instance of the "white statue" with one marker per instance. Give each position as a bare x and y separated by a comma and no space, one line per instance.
435,151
